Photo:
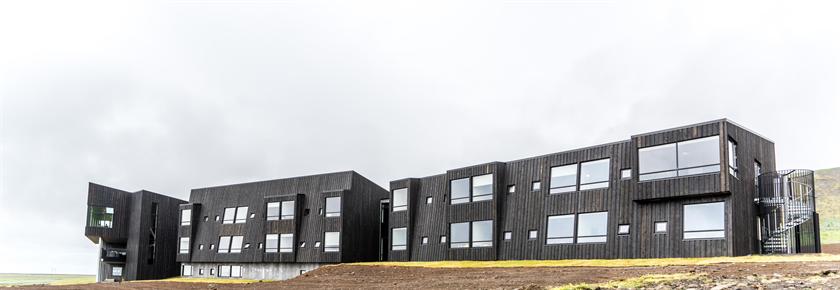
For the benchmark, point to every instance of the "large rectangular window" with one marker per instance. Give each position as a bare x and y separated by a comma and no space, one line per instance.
186,216
332,241
184,246
460,233
690,157
287,243
333,206
563,179
186,270
287,210
236,244
459,189
101,216
400,199
595,174
592,227
229,216
482,234
241,214
703,221
560,229
224,271
271,243
482,187
398,239
272,211
224,244
476,188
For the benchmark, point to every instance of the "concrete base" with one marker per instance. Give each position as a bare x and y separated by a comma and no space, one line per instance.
256,271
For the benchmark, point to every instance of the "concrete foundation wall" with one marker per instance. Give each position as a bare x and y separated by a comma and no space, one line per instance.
256,271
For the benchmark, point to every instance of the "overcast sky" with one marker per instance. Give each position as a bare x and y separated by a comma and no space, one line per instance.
172,96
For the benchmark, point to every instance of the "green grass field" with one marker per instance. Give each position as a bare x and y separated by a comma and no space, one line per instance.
8,280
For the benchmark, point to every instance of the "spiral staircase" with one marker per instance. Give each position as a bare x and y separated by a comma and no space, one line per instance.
786,200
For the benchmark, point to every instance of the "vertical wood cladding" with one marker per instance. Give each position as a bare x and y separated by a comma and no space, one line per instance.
628,202
358,222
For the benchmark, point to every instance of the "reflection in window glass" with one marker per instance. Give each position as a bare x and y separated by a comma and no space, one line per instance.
684,158
592,227
563,179
400,199
331,241
230,215
236,244
184,246
595,174
398,239
623,229
459,190
560,229
288,210
100,216
186,216
224,244
658,161
241,214
272,211
703,221
460,233
271,243
660,227
333,208
287,243
482,187
482,233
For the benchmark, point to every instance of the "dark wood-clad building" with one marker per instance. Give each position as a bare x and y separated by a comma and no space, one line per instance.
708,189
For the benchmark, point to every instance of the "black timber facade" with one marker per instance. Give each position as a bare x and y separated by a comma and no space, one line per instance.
517,207
136,233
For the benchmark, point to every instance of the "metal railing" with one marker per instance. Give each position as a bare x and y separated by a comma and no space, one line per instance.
786,200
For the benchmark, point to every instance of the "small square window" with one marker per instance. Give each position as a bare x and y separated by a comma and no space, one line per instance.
317,244
201,246
660,227
623,229
508,236
320,211
302,272
116,271
511,188
200,271
443,239
206,218
247,245
535,186
303,244
626,173
424,240
253,215
259,246
217,218
211,272
212,246
429,200
532,234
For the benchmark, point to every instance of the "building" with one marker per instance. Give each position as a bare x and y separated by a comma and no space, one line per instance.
708,189
278,229
136,233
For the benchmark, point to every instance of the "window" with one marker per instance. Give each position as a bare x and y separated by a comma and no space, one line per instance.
303,244
482,187
224,271
201,246
511,188
206,218
212,246
592,227
560,229
333,206
184,246
660,227
287,243
626,173
429,200
690,157
252,215
217,218
236,244
271,243
482,234
236,271
757,172
400,199
563,179
460,190
224,244
535,186
331,241
247,246
272,211
532,234
460,233
703,221
186,216
623,229
241,214
443,239
230,215
287,210
508,236
186,270
200,272
398,240
733,157
211,272
100,216
116,271
317,244
595,174
424,240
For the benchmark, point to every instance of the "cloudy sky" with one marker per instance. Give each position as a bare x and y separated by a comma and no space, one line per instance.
171,96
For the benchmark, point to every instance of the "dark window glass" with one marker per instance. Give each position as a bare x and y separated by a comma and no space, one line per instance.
690,157
100,216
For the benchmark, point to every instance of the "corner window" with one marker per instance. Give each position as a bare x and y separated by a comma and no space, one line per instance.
398,239
184,246
532,234
535,186
272,211
100,216
482,234
660,227
560,229
595,174
733,157
460,233
424,240
626,173
186,216
563,179
116,271
287,243
592,227
287,210
241,214
400,199
482,187
690,157
271,243
331,241
703,221
333,206
623,229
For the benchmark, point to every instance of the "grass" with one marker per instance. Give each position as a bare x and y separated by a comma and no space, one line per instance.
613,262
632,283
8,280
210,280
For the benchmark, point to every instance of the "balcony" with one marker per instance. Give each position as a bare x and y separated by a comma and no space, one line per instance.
113,255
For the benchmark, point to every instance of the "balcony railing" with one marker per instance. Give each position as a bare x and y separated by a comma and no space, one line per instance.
113,255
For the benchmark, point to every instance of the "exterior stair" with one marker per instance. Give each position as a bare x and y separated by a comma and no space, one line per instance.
786,200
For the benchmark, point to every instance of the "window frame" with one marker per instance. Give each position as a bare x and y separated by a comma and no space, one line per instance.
459,244
272,237
236,247
563,188
243,217
656,227
598,184
677,170
592,239
101,219
329,247
732,159
471,189
402,206
697,234
483,243
232,219
181,248
560,239
184,269
292,206
291,243
620,232
334,213
403,245
186,216
269,215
